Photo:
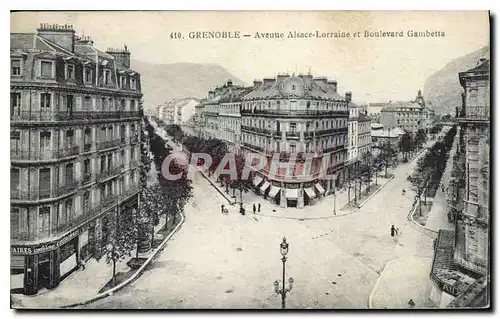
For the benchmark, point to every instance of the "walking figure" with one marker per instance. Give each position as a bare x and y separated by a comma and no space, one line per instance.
222,209
254,209
258,208
411,303
394,231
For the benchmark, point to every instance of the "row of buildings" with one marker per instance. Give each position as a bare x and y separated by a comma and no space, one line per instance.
289,115
75,114
177,111
460,273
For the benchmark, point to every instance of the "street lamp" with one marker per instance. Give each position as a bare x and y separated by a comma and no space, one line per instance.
284,290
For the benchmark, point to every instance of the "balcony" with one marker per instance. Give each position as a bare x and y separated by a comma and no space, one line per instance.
257,130
108,144
87,178
134,139
87,147
44,155
55,116
333,148
296,113
110,172
252,147
293,134
67,188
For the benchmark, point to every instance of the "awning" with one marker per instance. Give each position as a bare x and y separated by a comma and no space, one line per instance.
320,188
292,193
310,192
273,191
265,186
257,180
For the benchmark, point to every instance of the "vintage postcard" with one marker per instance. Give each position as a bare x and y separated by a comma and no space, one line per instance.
250,160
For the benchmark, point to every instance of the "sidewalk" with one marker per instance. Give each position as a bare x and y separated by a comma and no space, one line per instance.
438,216
398,284
81,285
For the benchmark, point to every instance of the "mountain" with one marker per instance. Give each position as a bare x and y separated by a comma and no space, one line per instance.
165,82
443,89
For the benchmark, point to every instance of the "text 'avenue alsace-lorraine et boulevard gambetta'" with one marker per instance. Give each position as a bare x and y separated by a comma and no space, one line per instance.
151,169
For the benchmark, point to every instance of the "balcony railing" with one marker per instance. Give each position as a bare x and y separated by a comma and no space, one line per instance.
110,172
253,147
51,116
256,130
68,187
87,147
108,144
88,177
297,112
46,154
293,134
134,139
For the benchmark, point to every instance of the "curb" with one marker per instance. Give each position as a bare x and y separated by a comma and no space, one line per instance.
337,215
230,200
420,228
135,275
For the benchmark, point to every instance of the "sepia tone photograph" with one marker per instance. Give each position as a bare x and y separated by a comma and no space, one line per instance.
249,160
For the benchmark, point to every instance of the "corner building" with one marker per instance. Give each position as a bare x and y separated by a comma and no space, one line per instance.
75,116
296,115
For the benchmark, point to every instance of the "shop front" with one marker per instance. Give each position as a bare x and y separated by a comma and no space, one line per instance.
44,265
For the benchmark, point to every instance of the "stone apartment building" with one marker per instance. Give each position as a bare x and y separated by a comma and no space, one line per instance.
295,115
460,273
75,116
364,135
408,116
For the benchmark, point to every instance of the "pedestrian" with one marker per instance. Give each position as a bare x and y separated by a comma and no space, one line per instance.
258,209
254,209
411,303
222,209
82,263
394,231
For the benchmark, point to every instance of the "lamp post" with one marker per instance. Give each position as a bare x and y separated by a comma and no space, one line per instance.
334,202
283,290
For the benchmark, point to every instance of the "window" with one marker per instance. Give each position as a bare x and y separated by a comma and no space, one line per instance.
69,103
46,69
87,137
44,182
293,148
103,134
110,161
110,133
122,157
122,104
86,201
70,72
15,141
15,103
132,154
132,84
14,220
87,104
70,138
15,67
45,101
103,104
103,163
68,209
293,127
123,82
132,105
86,168
69,173
44,220
106,78
44,140
88,75
122,133
14,179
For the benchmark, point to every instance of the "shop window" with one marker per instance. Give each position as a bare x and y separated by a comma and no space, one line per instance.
44,221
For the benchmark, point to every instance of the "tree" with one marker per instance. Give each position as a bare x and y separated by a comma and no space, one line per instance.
366,169
121,241
420,138
405,145
387,153
243,185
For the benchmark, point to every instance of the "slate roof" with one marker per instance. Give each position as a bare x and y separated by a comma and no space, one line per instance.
394,107
284,86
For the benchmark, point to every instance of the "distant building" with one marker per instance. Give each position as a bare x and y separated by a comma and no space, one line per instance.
352,138
460,271
381,135
364,135
408,116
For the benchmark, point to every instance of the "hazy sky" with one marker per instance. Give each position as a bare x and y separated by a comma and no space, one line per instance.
374,69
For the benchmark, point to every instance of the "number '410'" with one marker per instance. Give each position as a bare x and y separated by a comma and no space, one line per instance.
175,35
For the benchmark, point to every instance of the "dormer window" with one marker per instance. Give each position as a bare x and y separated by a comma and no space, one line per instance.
132,84
15,67
123,82
88,75
46,69
70,72
106,77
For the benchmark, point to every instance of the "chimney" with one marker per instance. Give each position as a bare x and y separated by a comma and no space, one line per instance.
481,61
229,83
62,35
122,56
256,84
348,97
211,94
320,80
268,81
333,84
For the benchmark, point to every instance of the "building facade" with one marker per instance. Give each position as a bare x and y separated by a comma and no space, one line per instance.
364,135
295,115
352,135
75,154
408,116
460,272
